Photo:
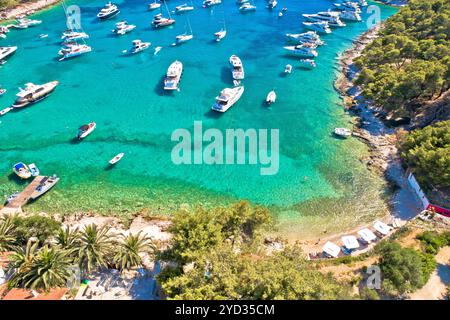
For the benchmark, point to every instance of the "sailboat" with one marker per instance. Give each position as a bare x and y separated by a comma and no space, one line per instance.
159,21
184,8
219,35
185,37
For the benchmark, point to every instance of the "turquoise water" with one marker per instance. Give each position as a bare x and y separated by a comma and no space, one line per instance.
319,176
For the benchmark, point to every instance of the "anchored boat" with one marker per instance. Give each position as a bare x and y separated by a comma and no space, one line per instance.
33,93
21,170
86,130
46,184
237,68
116,159
173,76
227,98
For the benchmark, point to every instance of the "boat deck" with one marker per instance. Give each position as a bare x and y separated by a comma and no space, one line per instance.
16,205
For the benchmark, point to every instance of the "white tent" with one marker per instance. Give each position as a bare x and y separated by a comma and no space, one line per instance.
350,242
331,249
381,227
367,235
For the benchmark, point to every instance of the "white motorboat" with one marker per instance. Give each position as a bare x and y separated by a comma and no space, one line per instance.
116,159
348,6
123,27
33,93
86,130
159,21
173,76
33,169
320,27
227,98
307,63
331,17
71,35
342,132
183,8
302,51
45,185
247,7
272,4
108,11
237,70
154,5
43,36
71,50
271,97
309,36
219,35
21,170
138,46
25,23
288,68
210,3
6,52
350,16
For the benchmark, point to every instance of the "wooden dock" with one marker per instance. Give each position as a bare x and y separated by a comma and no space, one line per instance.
15,206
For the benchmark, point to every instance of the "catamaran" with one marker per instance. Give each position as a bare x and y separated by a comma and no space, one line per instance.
6,52
247,7
21,170
123,27
302,50
173,76
183,8
227,98
331,17
71,50
320,27
237,68
86,130
108,11
33,93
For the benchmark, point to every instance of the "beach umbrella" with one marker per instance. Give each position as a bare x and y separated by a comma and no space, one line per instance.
350,242
331,249
381,227
367,235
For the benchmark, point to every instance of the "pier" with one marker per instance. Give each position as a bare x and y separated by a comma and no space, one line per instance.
15,206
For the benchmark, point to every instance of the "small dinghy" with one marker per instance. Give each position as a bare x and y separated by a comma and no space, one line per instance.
288,68
342,132
33,169
157,49
116,158
5,111
43,36
271,97
86,130
2,91
22,170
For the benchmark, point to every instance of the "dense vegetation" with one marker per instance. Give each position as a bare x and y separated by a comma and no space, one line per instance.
410,62
427,153
42,258
218,255
433,241
4,4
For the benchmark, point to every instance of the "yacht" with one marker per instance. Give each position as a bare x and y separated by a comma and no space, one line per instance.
348,6
173,76
22,170
123,27
350,15
33,169
71,35
302,50
272,4
73,49
319,27
86,130
154,5
247,7
219,35
271,97
116,159
159,21
108,11
332,17
307,63
288,68
25,23
309,37
227,98
34,93
6,52
342,132
138,46
237,68
183,8
210,3
45,185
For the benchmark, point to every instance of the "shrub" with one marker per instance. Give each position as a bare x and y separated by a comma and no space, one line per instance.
35,226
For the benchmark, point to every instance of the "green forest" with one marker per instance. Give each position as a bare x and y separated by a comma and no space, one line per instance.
409,63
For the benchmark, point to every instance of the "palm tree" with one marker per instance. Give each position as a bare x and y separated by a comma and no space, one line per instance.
130,249
49,268
95,248
69,239
20,262
7,233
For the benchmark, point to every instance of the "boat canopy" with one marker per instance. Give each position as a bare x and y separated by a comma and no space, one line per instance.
367,235
19,166
381,227
350,242
331,249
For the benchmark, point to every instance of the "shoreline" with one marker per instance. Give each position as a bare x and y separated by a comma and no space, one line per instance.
8,15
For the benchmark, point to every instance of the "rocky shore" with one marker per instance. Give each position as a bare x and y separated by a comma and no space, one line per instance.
25,9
